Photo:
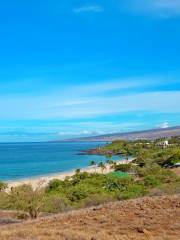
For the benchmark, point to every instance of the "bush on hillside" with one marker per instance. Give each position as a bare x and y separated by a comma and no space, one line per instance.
167,176
149,169
3,186
123,167
82,191
27,199
54,185
55,203
118,183
97,199
151,181
175,158
132,191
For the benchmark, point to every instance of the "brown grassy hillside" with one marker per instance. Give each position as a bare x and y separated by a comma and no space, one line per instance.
148,218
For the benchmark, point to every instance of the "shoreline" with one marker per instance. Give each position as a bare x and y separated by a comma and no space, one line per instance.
42,181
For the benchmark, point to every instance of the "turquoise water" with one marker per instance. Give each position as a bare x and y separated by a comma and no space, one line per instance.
23,160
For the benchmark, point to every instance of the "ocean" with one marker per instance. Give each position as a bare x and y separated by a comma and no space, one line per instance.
26,160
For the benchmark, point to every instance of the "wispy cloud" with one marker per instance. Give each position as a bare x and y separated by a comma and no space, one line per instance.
95,100
161,8
80,133
163,125
88,8
43,107
71,129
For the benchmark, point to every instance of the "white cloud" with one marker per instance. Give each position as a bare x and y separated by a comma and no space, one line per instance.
83,132
161,8
37,108
88,8
164,125
94,100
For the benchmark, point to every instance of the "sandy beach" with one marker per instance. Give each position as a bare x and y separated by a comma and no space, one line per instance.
42,181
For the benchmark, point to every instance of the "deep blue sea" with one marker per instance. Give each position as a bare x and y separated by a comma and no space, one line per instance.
24,160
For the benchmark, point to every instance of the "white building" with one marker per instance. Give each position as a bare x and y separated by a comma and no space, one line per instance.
163,144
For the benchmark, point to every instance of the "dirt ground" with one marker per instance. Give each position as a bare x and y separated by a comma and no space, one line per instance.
177,171
147,218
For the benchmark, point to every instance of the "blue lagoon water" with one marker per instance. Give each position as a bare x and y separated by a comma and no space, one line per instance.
24,160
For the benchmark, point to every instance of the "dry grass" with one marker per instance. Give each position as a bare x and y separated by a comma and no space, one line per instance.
176,171
149,218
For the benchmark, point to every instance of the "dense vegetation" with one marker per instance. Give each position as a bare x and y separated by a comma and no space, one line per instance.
146,175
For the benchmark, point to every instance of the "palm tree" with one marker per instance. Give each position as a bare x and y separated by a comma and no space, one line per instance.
114,165
127,157
102,166
78,170
93,163
110,162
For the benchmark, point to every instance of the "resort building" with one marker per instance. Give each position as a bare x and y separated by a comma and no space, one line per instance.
163,144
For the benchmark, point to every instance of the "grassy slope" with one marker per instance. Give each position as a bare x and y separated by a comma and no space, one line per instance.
140,219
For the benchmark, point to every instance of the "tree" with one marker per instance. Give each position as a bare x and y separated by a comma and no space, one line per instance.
123,167
78,171
114,165
54,185
102,166
3,186
111,162
175,158
27,199
93,163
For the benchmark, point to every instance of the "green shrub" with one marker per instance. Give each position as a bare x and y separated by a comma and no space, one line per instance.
167,176
27,199
97,199
149,169
118,184
133,191
3,186
77,178
55,204
171,188
151,181
117,174
54,184
81,191
123,167
4,204
175,158
161,174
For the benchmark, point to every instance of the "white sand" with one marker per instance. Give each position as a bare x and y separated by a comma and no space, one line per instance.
42,181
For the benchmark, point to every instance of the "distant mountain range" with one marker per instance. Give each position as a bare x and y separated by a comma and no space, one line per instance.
146,134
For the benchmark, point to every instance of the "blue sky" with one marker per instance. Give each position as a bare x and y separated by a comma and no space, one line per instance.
79,68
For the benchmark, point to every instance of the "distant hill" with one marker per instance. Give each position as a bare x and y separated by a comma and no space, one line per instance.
147,134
